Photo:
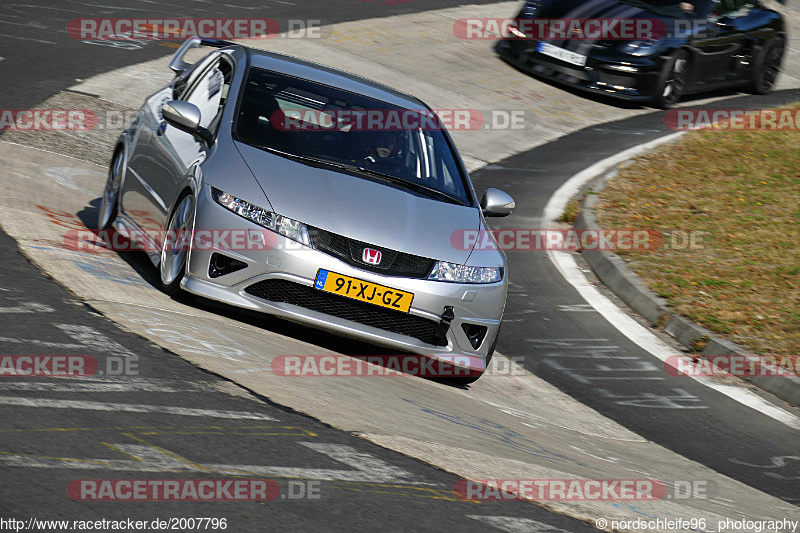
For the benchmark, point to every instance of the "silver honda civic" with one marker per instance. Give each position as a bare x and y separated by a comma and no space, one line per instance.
314,195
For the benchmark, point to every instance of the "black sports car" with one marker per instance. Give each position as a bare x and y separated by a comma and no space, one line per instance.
696,46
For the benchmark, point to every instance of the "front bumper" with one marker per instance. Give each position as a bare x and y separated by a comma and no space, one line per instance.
635,80
292,268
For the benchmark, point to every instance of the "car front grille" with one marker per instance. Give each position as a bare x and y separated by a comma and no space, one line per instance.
393,263
289,292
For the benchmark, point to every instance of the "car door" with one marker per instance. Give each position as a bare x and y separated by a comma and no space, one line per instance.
138,198
165,158
721,42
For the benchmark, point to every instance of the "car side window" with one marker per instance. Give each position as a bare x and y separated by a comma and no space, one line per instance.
210,92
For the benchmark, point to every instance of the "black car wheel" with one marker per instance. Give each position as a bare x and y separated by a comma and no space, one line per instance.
767,67
673,81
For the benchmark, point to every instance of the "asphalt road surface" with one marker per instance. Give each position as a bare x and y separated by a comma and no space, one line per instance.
40,57
567,343
153,416
164,418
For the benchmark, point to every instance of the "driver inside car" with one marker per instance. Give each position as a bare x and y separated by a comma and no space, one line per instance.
383,145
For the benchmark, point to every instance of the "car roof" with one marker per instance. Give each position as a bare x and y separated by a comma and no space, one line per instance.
315,72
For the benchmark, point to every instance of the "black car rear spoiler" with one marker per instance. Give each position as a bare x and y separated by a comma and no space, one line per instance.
177,64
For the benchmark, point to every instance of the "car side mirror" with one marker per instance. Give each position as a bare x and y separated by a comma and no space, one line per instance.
186,117
496,203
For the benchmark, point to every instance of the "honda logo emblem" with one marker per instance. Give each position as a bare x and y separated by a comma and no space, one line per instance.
371,257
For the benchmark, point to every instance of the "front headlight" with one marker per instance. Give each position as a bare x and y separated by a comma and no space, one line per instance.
291,229
450,272
532,8
640,48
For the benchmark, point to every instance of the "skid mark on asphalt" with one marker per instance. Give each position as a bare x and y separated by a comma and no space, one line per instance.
593,362
189,337
506,436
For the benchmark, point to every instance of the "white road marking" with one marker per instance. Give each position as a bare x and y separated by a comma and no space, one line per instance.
37,342
579,308
81,386
87,338
129,408
566,265
93,339
28,307
512,524
18,37
368,468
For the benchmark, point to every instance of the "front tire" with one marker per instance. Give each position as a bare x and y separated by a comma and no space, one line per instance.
108,210
674,80
767,67
175,245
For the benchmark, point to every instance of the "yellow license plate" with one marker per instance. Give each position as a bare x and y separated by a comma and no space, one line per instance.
364,291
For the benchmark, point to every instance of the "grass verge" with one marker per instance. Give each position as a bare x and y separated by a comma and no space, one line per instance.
738,194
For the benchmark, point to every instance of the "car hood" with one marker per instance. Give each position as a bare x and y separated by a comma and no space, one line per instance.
580,9
601,9
364,209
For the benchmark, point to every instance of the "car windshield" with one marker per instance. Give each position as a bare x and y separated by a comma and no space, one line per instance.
320,124
672,8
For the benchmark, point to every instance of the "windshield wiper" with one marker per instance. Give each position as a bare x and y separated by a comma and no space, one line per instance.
303,158
353,168
411,185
